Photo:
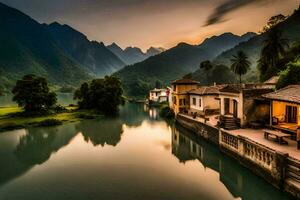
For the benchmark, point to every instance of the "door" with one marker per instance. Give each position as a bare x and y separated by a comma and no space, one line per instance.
226,106
235,108
291,114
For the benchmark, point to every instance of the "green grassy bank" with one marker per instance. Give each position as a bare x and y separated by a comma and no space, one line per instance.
10,118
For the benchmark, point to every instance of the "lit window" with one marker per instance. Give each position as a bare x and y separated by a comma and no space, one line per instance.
200,102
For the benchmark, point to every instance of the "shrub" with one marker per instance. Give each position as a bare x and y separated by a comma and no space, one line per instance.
50,122
289,76
166,112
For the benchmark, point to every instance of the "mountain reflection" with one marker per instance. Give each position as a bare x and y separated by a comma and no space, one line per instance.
237,179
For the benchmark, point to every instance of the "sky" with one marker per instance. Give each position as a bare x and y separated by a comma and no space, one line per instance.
158,23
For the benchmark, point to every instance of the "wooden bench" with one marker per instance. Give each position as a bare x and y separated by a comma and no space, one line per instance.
279,136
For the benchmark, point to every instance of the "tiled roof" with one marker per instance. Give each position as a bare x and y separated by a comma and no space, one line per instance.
290,94
207,90
184,81
272,80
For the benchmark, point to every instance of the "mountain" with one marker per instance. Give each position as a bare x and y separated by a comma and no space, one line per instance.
27,47
218,44
131,55
174,63
290,28
94,56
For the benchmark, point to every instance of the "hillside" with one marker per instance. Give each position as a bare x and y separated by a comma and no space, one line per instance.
290,28
94,56
131,55
173,63
26,47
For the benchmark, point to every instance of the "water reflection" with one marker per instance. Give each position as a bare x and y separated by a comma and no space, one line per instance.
21,150
101,132
135,155
237,179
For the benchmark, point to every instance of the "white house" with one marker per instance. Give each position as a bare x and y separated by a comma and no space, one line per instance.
205,100
159,95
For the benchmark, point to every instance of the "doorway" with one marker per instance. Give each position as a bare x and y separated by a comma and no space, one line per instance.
235,108
226,106
291,114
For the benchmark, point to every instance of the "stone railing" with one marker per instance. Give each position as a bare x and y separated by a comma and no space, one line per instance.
260,159
229,141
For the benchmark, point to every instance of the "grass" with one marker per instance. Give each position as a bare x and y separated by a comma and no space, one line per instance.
7,122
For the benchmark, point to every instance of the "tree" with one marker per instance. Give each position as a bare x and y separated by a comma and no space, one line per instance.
33,93
273,21
272,51
240,64
104,95
206,65
289,76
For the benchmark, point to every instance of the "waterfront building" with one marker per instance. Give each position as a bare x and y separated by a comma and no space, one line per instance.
285,108
180,96
205,100
158,95
242,104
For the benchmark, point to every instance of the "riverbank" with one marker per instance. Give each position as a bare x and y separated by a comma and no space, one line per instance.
275,163
11,118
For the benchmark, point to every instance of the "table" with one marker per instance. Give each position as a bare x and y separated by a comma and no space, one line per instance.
278,134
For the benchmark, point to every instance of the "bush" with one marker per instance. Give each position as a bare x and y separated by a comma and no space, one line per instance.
60,109
10,126
166,112
50,122
289,76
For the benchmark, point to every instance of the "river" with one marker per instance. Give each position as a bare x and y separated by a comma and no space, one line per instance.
136,155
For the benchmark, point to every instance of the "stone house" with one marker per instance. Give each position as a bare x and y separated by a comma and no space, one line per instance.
205,100
285,108
180,97
242,104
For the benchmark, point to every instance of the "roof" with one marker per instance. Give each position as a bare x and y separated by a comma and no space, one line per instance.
207,90
185,81
233,88
272,80
158,90
290,93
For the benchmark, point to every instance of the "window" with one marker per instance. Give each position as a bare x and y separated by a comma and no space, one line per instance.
183,101
194,101
180,102
200,103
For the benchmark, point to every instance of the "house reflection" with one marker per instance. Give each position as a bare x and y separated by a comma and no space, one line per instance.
237,179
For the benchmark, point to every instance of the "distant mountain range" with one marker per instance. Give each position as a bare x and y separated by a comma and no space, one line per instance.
92,55
58,52
175,62
131,55
27,47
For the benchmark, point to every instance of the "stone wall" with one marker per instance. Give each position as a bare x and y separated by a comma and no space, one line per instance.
275,167
200,129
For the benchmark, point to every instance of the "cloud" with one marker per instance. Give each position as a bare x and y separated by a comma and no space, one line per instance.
227,7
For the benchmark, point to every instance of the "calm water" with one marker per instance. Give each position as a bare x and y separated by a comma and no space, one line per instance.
62,99
134,156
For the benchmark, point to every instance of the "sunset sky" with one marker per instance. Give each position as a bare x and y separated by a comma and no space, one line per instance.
158,23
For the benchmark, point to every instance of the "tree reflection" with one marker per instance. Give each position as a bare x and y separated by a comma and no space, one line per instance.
38,144
101,132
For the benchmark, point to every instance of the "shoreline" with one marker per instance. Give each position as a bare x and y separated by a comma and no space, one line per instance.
9,122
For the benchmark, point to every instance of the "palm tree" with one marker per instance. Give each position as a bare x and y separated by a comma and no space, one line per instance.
272,51
240,64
